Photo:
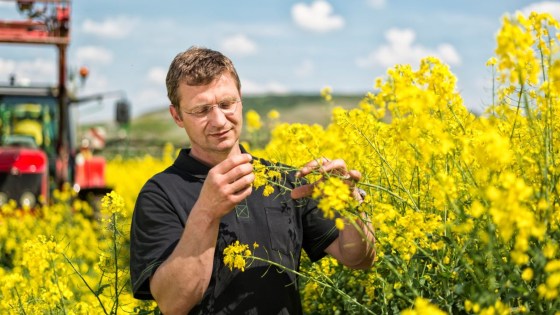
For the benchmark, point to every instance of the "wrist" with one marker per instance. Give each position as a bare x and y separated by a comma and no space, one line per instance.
204,215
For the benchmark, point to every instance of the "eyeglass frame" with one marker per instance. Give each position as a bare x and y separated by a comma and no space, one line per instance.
209,107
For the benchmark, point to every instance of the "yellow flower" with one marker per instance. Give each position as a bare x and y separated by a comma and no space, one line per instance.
492,61
423,307
334,196
235,255
339,223
527,274
253,120
113,203
273,114
268,190
326,93
266,176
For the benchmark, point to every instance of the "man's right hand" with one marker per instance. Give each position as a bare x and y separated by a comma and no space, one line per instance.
226,185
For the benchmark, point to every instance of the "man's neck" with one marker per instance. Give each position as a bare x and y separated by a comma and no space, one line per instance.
215,157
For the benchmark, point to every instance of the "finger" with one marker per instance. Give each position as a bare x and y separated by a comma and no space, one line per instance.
335,167
240,183
312,166
238,172
232,161
302,191
351,178
243,185
355,175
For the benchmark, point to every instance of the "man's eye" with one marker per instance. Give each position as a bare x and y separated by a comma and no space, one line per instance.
201,110
226,104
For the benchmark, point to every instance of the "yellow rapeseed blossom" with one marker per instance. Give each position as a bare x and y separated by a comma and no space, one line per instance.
266,176
235,255
527,274
326,93
273,115
113,203
253,121
334,196
423,307
339,223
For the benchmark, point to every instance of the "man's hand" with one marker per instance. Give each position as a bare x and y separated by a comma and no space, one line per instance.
355,245
325,166
226,185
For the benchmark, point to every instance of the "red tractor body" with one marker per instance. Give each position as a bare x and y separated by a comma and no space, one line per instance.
23,175
38,145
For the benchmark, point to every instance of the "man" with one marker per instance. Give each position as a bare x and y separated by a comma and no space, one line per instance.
185,216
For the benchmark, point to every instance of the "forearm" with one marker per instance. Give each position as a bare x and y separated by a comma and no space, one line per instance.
356,243
180,281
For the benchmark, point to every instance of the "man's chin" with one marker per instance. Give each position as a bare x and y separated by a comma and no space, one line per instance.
225,146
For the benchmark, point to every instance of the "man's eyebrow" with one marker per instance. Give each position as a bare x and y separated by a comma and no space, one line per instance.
225,99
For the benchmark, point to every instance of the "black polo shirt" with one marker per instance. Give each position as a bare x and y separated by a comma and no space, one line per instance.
280,225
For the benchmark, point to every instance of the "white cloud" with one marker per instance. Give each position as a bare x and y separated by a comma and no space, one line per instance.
401,49
305,68
29,71
239,44
377,4
157,75
93,54
115,27
95,83
543,7
251,87
7,67
449,54
148,99
316,17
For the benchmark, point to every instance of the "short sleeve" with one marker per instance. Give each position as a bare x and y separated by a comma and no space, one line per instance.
155,231
318,232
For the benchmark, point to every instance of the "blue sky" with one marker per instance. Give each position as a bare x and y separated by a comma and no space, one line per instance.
278,46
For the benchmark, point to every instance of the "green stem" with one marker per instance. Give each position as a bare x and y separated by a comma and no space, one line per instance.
22,309
517,112
115,256
381,188
322,283
85,282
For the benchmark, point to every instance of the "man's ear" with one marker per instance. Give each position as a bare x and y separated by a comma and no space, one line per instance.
176,116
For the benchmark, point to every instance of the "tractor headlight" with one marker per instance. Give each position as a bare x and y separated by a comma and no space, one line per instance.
27,200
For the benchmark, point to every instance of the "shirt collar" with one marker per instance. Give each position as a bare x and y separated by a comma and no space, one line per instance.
192,166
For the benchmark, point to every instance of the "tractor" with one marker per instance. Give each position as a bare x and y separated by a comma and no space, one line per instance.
39,151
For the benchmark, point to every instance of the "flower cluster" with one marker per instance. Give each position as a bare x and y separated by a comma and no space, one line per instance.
253,121
236,254
334,196
267,176
461,201
423,307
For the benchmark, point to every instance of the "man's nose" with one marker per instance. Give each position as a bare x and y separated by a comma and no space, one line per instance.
216,116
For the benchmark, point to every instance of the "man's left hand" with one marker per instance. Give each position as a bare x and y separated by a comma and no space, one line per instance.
325,166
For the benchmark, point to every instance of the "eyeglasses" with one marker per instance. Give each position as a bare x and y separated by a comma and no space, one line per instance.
227,107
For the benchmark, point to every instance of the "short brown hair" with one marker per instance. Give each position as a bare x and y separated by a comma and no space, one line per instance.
197,66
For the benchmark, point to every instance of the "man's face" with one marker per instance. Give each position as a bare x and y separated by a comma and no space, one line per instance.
214,133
